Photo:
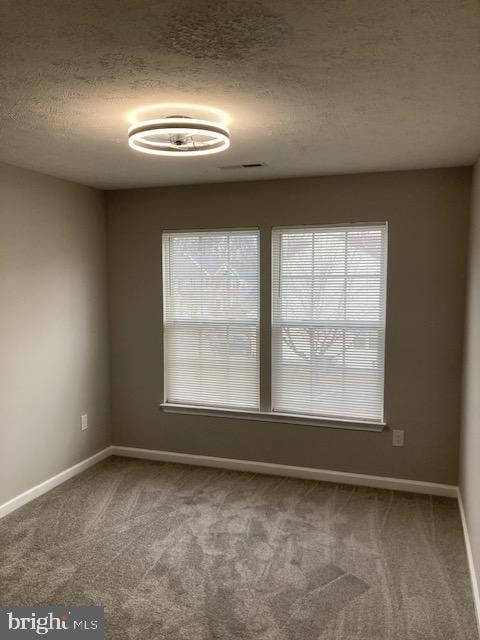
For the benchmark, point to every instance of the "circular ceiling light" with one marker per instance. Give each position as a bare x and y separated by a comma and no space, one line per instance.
178,136
162,110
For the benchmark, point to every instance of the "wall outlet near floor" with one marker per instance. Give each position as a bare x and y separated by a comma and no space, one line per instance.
398,438
84,421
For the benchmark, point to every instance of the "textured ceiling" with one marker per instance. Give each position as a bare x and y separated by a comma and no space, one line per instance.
312,86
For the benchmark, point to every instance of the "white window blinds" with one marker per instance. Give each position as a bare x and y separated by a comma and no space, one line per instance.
328,321
211,318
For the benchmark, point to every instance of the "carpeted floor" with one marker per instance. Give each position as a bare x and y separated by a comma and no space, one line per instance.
188,553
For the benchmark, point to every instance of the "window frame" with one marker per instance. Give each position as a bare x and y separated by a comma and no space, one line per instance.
265,413
382,323
257,322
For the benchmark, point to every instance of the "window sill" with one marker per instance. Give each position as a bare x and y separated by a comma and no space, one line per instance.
272,416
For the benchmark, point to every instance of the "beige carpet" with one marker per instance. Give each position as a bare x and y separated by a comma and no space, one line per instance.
177,552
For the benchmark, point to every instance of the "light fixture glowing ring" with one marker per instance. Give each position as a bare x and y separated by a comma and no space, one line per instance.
178,136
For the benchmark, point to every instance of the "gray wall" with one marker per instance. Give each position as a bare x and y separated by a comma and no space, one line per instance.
470,443
427,213
53,327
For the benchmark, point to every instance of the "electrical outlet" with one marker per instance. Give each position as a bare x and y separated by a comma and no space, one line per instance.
398,438
84,421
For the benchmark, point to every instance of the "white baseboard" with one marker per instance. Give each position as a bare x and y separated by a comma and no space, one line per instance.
471,566
309,473
51,483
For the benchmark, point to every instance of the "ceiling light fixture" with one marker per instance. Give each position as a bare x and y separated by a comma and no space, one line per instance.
178,136
161,110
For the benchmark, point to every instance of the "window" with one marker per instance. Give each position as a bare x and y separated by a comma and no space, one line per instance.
211,318
328,292
328,321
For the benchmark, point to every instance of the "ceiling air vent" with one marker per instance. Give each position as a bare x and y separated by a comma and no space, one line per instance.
246,165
